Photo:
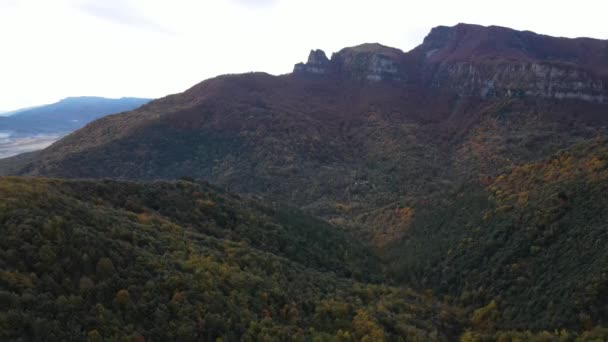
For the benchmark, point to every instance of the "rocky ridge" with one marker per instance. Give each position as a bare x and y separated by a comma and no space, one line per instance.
473,60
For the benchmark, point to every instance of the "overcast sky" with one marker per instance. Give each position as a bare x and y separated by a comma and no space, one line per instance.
51,49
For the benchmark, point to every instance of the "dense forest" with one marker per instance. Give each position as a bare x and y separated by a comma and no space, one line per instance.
531,239
183,261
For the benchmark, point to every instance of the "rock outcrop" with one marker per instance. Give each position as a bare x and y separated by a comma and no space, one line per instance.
367,62
496,61
521,79
372,62
317,63
473,60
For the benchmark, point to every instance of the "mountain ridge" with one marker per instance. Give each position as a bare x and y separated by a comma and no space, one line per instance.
186,261
66,114
478,60
371,63
34,128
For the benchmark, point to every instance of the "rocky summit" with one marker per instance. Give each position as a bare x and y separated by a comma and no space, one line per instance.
484,61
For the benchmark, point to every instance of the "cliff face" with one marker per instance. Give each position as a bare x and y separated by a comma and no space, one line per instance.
472,60
371,62
520,79
367,62
501,62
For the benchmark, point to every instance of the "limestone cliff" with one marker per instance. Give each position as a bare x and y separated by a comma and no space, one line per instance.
370,62
497,61
473,60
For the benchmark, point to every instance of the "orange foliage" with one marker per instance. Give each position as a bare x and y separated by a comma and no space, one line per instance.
392,225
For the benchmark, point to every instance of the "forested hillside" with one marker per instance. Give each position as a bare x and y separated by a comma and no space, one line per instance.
183,261
531,239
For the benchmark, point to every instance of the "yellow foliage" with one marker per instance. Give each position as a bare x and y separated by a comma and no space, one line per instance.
366,328
595,164
468,336
343,336
485,318
94,336
522,198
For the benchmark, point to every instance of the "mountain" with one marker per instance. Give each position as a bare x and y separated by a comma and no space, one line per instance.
425,155
64,116
359,130
11,112
34,128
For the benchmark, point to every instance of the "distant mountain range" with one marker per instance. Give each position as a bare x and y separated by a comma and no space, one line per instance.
33,128
64,116
474,167
15,111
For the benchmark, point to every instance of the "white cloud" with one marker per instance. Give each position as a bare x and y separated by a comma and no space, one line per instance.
146,48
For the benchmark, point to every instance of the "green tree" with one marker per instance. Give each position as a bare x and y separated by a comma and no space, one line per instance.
105,268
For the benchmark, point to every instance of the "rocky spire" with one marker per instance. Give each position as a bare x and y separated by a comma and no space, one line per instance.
317,63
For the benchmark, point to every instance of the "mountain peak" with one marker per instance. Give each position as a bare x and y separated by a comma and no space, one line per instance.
469,42
317,57
476,60
317,63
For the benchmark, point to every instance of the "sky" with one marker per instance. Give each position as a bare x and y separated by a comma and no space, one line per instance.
52,49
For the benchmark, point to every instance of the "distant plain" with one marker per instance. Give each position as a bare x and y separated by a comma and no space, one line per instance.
13,145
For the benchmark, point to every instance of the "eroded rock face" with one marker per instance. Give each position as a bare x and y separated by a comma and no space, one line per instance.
371,62
367,62
317,63
520,79
473,60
